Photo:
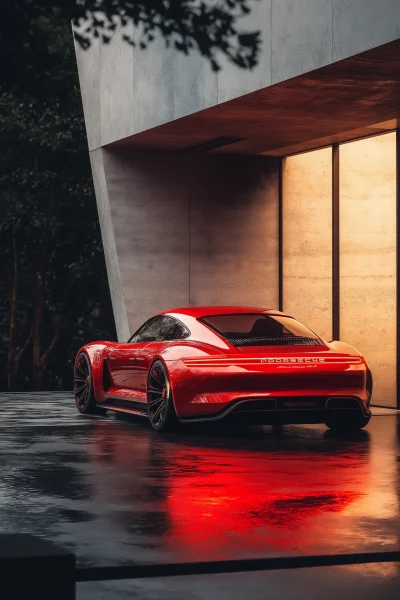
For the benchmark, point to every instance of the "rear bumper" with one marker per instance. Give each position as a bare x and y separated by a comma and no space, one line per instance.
287,410
204,388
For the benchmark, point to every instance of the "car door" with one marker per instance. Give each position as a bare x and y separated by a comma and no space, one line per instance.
130,362
128,367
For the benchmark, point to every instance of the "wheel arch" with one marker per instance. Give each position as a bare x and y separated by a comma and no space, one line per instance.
95,353
170,373
172,357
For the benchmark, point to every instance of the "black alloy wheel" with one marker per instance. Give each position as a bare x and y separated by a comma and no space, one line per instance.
159,398
83,386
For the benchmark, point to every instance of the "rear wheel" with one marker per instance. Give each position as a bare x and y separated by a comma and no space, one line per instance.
348,424
159,398
83,387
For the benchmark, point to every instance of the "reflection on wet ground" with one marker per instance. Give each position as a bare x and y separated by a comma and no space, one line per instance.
114,491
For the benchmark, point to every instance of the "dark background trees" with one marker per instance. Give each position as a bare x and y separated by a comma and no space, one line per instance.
53,286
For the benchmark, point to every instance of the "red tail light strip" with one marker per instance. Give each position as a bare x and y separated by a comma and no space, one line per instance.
221,362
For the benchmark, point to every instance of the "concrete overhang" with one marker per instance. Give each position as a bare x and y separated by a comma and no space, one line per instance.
352,98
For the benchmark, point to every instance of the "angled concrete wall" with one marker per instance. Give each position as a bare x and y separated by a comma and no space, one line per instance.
148,203
182,230
126,90
110,252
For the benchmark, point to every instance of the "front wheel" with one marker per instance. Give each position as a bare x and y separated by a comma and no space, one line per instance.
83,387
348,424
159,398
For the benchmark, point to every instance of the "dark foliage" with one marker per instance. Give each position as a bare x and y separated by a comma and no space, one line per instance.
54,290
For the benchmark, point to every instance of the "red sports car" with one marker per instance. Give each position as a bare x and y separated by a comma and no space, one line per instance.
234,364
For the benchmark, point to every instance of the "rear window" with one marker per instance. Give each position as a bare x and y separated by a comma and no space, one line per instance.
261,330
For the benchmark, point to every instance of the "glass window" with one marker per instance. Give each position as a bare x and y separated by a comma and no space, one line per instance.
177,330
258,329
159,329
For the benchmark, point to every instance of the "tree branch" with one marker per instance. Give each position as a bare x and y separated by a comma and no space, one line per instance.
209,26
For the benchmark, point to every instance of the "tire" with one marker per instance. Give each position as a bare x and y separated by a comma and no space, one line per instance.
160,404
85,399
352,424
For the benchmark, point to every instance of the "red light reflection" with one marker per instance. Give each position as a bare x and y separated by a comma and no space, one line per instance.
259,501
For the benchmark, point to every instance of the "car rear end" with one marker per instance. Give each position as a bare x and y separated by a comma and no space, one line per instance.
287,375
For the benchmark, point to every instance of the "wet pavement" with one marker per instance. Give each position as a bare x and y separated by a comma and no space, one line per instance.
114,492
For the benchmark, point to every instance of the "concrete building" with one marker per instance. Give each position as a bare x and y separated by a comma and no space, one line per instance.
275,187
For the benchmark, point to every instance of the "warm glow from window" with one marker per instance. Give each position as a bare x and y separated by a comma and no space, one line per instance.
368,257
307,239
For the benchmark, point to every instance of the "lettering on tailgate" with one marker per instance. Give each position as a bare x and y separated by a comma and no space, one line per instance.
292,360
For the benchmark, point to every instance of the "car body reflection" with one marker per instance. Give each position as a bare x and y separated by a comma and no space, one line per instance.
209,497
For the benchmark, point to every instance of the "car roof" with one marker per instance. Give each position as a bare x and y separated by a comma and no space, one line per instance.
207,311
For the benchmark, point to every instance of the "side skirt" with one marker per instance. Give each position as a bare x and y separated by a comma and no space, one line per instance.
125,406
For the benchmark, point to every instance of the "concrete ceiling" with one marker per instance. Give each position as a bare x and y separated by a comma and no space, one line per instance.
352,98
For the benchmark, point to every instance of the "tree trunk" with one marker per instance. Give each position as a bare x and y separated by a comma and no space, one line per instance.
37,335
13,312
59,324
38,323
20,354
40,360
